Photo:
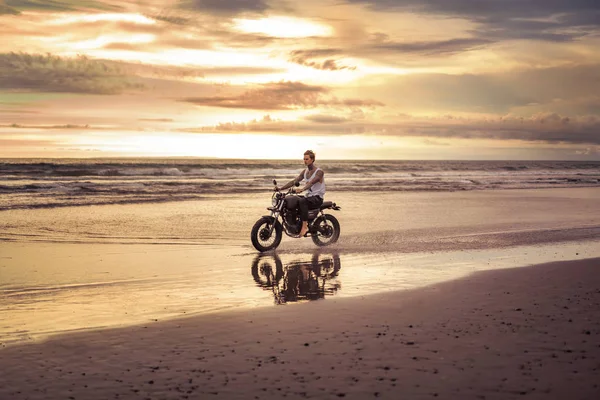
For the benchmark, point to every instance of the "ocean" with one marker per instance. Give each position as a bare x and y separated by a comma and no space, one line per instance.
48,183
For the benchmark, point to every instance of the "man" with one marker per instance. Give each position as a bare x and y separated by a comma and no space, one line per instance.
314,181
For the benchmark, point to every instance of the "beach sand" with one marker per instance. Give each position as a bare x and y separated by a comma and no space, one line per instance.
515,333
427,295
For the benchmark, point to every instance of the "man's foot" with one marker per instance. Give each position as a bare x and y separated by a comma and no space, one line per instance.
303,230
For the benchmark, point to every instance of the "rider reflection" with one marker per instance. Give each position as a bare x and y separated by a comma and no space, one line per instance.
298,281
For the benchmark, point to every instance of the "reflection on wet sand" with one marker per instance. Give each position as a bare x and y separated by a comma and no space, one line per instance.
298,281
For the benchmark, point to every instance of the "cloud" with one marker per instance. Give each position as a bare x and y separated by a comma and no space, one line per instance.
489,9
555,21
306,58
354,103
549,128
543,127
271,96
4,9
326,119
15,6
569,90
171,17
280,96
48,73
432,47
227,7
310,125
595,150
61,127
266,124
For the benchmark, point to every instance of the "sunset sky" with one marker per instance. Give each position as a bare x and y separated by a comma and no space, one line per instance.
350,79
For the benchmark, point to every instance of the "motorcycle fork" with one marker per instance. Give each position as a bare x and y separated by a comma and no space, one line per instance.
274,215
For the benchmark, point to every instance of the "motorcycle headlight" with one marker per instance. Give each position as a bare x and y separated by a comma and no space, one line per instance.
274,199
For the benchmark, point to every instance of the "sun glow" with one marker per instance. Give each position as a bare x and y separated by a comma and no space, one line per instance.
284,27
240,145
253,146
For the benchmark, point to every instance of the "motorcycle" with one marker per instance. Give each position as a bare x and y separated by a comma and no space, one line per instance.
297,281
266,234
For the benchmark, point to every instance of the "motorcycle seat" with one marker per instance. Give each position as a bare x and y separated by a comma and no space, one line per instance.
326,204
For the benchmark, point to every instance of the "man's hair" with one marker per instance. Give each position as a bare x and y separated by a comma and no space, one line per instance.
310,153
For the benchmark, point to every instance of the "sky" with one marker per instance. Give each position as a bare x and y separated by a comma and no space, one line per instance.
349,79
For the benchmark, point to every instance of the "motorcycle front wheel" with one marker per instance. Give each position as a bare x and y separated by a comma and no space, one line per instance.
325,230
262,240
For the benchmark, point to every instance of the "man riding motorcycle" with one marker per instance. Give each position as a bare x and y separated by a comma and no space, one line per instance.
314,182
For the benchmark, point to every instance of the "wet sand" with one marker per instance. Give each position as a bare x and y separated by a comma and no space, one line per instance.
77,268
426,295
529,332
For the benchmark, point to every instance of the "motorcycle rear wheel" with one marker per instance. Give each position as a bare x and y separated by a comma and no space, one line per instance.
261,240
325,230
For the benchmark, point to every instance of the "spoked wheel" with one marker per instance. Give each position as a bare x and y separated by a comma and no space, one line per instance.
267,270
264,235
325,230
326,265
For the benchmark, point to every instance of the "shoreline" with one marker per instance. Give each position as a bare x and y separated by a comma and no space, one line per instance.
496,334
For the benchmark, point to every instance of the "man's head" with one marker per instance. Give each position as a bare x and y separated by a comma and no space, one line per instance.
309,157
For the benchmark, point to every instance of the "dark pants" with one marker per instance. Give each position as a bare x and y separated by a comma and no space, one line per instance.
303,204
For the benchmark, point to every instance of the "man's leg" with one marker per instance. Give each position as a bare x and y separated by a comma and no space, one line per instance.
314,202
291,203
303,207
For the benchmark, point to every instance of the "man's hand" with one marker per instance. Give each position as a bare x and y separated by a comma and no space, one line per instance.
276,189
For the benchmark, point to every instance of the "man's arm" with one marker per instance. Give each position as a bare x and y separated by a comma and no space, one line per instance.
293,181
317,178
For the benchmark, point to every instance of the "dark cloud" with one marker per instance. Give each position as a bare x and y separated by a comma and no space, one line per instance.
510,19
544,127
15,6
489,9
354,103
266,124
271,96
314,59
48,73
4,9
450,46
326,119
171,17
316,53
61,127
327,65
547,128
380,45
281,96
226,7
154,71
220,71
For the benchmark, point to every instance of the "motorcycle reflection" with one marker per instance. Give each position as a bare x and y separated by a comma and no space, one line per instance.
297,281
